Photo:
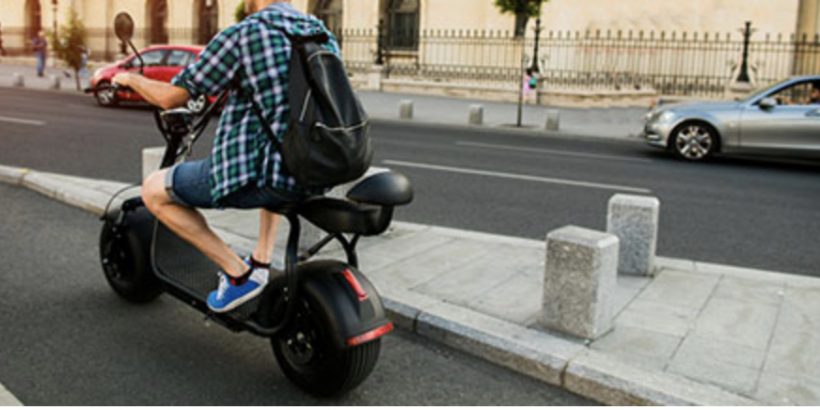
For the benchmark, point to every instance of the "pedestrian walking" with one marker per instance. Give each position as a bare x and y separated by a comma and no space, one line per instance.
40,46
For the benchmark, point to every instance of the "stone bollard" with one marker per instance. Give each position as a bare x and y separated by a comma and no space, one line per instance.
476,115
310,234
151,158
553,120
406,109
54,82
579,281
634,220
17,80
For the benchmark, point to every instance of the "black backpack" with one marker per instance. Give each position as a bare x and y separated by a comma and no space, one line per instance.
327,142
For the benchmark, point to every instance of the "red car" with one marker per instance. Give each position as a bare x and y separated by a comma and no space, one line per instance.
162,63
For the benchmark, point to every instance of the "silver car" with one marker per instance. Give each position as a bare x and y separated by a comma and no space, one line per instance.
780,119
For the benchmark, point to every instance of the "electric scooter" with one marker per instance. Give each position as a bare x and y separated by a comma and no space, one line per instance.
324,318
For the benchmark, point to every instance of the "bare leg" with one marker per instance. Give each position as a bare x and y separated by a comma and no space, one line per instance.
189,225
268,222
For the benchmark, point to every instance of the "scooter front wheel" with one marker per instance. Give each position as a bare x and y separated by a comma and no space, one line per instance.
126,262
311,361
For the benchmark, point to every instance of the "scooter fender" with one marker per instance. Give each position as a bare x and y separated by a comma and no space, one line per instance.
134,218
355,311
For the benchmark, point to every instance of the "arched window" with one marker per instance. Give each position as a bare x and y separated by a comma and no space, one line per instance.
330,11
157,12
206,20
403,24
33,23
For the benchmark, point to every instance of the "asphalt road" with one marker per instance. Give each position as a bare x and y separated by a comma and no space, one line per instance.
748,212
68,340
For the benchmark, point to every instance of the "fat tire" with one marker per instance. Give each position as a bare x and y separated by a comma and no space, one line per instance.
137,282
336,371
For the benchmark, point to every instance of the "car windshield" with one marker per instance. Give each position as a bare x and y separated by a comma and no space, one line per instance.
762,90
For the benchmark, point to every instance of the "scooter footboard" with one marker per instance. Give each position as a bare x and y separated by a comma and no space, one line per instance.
355,310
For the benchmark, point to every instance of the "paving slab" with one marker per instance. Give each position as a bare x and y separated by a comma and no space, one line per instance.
643,348
738,379
787,390
516,299
8,399
658,317
685,289
741,289
745,323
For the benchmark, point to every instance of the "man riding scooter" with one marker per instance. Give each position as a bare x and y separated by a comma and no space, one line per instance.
244,170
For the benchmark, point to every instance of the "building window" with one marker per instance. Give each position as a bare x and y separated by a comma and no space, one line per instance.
158,19
206,16
403,24
330,12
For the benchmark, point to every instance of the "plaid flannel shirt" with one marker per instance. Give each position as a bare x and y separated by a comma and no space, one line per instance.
256,55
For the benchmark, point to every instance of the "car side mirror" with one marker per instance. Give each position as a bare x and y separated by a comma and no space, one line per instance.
767,103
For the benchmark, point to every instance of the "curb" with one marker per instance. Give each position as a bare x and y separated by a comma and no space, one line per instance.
536,131
551,359
8,399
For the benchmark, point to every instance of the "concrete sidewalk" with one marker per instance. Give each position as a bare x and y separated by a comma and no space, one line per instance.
592,122
697,333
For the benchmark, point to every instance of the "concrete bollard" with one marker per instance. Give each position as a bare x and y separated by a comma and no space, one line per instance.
476,115
54,82
634,220
310,234
151,158
553,120
17,80
406,109
579,281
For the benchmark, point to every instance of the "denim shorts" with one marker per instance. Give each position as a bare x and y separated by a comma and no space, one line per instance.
188,184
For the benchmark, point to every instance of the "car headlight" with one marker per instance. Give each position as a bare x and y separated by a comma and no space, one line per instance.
667,116
98,72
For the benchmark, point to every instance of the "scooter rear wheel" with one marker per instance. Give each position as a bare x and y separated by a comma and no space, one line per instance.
126,262
311,361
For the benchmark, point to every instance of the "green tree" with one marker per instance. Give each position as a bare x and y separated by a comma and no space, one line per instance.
239,13
523,10
70,45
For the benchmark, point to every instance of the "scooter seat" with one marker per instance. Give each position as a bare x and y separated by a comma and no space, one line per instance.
342,216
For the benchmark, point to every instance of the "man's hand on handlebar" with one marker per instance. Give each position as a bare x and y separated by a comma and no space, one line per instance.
123,79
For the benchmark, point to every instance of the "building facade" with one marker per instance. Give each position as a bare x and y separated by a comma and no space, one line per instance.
676,46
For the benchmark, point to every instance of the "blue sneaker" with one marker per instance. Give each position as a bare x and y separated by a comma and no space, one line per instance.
228,296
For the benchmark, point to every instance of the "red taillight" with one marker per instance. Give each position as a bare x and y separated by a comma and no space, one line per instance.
371,335
355,285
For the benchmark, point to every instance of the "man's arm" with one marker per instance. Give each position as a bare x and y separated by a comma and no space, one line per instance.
158,93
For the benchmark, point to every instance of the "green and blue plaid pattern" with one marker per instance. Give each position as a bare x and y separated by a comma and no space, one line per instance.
255,54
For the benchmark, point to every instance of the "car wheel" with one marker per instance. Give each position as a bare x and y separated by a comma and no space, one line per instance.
198,105
694,141
106,97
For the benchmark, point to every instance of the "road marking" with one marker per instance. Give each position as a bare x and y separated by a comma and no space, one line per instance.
550,151
533,178
22,121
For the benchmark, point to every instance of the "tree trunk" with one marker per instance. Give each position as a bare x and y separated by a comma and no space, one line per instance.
77,79
521,20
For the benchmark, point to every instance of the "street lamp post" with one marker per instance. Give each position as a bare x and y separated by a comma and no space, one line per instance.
535,68
54,15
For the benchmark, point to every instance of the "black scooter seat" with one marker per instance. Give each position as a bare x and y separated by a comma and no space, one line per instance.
343,216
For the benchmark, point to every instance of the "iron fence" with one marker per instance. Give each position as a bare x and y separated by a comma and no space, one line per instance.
687,64
694,64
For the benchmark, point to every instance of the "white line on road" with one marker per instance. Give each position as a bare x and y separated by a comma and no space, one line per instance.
550,151
22,121
557,181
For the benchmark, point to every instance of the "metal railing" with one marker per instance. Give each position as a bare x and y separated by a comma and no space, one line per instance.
685,64
692,64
